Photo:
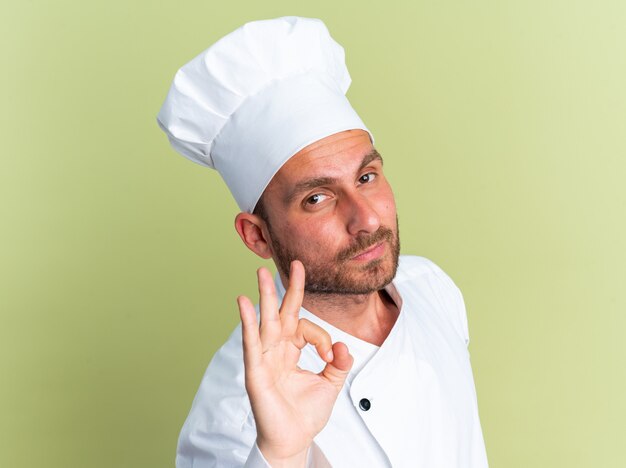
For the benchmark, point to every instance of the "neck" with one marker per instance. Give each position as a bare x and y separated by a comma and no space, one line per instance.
369,317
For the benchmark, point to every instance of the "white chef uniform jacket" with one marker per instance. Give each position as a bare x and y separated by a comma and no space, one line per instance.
419,385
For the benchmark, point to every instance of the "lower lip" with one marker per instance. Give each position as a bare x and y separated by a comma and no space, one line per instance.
371,254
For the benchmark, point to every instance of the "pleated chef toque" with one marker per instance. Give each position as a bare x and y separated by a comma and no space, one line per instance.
257,97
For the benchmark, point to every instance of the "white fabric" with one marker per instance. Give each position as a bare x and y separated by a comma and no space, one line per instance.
256,459
419,382
255,98
315,458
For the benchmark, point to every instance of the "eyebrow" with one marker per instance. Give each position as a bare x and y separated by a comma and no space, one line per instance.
308,184
369,157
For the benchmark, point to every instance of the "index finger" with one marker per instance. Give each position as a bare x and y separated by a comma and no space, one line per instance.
290,308
309,332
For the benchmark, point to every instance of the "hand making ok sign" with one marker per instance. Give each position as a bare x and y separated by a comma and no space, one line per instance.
290,405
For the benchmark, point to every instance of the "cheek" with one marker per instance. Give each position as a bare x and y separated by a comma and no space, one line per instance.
315,235
387,203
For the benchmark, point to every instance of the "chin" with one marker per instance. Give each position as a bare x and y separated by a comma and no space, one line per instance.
352,280
379,273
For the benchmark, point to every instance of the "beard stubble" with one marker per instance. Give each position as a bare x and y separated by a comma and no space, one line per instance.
335,276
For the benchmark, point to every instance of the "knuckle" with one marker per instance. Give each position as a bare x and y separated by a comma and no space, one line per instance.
305,322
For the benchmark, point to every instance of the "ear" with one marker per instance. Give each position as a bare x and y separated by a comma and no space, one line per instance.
250,228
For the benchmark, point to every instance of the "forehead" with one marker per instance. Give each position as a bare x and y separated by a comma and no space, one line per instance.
329,157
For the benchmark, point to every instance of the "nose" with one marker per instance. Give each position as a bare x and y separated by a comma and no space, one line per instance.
361,216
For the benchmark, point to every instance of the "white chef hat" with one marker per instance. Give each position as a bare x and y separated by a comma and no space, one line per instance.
257,97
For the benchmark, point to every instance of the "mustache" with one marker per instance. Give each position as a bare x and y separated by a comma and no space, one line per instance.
365,241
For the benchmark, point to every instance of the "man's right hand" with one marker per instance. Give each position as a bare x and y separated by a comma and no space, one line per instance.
290,405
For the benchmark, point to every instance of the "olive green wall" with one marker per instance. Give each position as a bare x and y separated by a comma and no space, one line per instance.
502,124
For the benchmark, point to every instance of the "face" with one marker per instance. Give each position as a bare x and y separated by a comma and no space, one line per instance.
331,207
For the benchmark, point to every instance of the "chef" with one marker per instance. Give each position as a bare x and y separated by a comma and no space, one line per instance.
355,356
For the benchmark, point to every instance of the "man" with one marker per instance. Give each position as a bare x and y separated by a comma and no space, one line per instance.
362,360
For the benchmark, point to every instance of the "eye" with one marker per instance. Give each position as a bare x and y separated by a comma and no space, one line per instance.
367,178
315,199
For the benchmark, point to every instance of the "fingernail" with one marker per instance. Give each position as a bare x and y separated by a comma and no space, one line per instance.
330,356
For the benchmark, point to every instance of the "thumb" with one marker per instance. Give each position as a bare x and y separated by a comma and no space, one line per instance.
337,370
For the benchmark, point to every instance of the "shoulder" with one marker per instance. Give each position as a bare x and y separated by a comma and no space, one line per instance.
411,267
219,425
222,396
420,276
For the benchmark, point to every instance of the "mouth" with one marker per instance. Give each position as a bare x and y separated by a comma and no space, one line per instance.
371,253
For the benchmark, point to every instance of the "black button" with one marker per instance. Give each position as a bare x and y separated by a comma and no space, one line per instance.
365,404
